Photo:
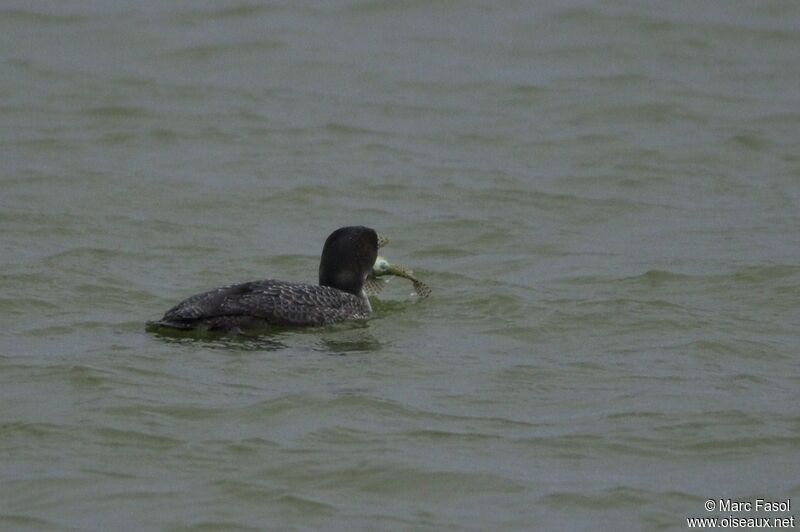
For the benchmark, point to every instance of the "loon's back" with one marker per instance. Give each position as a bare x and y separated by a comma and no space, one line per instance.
260,304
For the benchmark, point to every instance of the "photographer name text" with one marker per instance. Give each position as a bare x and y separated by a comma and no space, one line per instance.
757,505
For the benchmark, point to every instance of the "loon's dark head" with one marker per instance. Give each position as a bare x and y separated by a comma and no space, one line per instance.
347,258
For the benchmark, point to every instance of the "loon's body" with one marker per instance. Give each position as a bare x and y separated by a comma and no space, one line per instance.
347,259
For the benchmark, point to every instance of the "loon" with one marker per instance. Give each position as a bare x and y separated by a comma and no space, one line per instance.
347,259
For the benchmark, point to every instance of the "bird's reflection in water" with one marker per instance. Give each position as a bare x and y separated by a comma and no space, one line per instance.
338,340
265,341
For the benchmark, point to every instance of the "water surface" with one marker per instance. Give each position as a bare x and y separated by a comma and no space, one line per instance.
604,197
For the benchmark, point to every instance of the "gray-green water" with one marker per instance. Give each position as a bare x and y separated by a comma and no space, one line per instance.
604,197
